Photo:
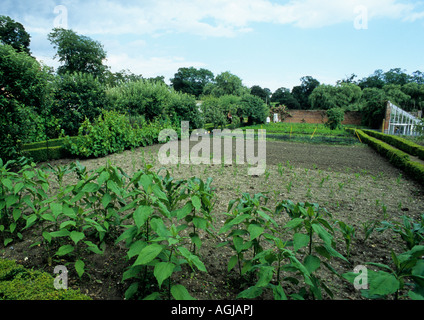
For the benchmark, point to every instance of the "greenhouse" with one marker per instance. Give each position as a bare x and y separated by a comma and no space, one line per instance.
400,122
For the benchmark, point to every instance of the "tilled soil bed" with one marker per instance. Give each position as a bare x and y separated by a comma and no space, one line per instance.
353,183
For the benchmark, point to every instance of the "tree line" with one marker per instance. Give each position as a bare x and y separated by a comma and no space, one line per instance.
39,103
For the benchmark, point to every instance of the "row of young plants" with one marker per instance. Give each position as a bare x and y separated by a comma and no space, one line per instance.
161,221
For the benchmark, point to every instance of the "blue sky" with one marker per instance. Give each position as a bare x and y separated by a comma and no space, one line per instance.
268,43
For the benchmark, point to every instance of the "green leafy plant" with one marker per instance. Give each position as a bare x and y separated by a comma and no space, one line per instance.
348,233
410,231
248,222
407,271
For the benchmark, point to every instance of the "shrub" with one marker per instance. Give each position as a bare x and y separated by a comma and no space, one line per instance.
76,97
18,283
400,143
255,109
335,118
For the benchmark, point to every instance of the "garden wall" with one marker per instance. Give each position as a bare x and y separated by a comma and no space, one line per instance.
320,116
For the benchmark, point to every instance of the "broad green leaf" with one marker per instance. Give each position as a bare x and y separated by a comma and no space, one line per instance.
93,247
79,267
103,177
106,199
135,248
18,187
159,193
162,271
279,293
141,215
322,233
90,188
382,283
300,240
30,221
147,254
64,250
146,181
250,293
195,200
255,231
179,292
7,183
232,263
312,263
76,236
294,223
192,258
265,276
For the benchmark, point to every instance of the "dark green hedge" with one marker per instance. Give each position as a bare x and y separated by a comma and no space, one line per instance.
46,150
397,157
18,283
398,142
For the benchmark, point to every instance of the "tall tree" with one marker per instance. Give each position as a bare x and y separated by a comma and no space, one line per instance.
283,96
302,92
78,53
13,33
191,80
263,93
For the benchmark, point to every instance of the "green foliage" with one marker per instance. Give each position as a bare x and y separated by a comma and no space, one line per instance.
77,53
155,235
397,157
77,96
407,270
18,283
23,83
400,143
335,118
344,95
410,231
191,80
111,133
225,83
13,33
254,109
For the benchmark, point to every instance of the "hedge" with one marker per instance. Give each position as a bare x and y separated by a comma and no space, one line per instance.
46,150
400,143
397,157
19,283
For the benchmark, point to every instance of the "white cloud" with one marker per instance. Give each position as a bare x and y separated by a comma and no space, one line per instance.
150,66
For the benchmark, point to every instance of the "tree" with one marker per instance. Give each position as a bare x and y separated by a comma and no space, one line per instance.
344,95
254,109
335,118
226,83
376,80
301,93
416,92
397,77
191,80
373,112
78,53
77,96
23,85
283,96
114,79
264,94
13,33
395,94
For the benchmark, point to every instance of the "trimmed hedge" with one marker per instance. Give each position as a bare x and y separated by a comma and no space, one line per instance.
400,143
397,157
18,283
46,150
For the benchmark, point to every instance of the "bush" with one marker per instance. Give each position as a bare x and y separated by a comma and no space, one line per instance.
111,133
400,143
18,283
76,97
397,157
335,118
254,109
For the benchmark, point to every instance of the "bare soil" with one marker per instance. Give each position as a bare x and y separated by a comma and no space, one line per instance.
353,183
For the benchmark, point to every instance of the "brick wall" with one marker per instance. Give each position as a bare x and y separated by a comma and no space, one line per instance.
320,116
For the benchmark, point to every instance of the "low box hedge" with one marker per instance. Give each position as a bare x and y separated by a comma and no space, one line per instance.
400,143
397,157
19,283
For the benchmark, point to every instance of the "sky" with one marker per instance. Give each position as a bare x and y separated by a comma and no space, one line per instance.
268,43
